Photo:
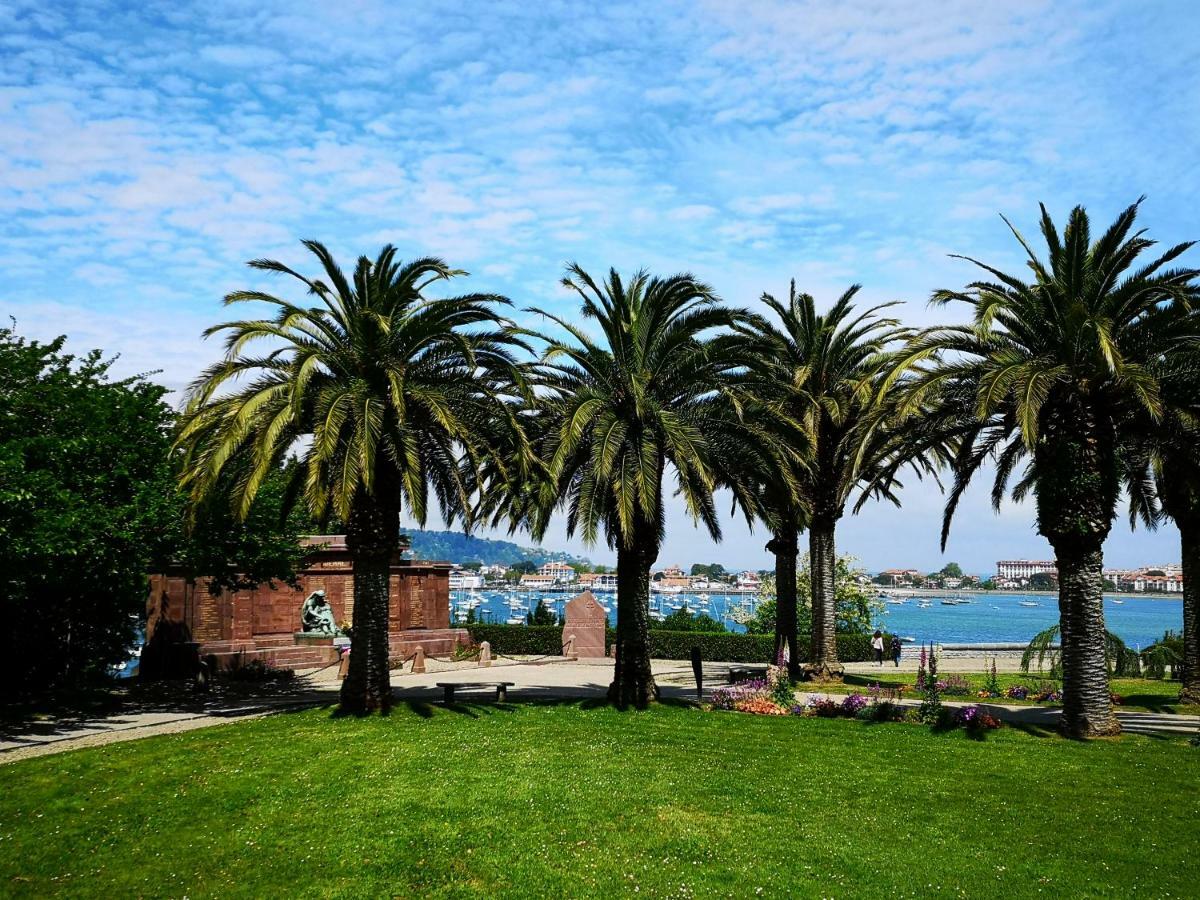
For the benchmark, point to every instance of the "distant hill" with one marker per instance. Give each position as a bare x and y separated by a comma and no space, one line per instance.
455,546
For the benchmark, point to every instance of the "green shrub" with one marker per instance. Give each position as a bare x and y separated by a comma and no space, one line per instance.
519,640
526,640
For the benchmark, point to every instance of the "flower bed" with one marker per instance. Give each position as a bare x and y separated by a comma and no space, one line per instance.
765,697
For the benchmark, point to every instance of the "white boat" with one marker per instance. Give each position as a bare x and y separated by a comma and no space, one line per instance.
1029,603
514,620
665,589
1118,601
704,597
896,602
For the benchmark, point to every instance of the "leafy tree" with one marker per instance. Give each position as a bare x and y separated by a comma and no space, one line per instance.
1049,372
613,412
951,570
857,605
541,615
82,463
524,567
714,571
210,542
683,620
394,394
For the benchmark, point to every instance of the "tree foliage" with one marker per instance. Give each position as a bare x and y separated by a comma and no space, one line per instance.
857,605
82,459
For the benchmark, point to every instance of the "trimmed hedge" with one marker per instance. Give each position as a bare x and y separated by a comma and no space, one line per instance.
519,640
546,640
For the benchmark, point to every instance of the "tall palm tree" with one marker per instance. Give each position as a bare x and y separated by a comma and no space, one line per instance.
383,392
612,413
1050,370
1163,477
834,376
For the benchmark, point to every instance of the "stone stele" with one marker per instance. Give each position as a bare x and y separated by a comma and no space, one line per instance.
584,620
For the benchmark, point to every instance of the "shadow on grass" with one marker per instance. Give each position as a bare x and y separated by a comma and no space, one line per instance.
428,709
1155,703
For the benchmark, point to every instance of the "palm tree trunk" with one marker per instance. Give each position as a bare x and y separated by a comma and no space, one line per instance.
372,536
786,546
1189,534
1087,703
633,680
823,660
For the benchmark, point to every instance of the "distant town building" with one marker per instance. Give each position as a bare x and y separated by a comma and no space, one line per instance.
673,576
1021,570
560,572
1167,579
605,582
749,581
538,581
465,580
898,577
493,571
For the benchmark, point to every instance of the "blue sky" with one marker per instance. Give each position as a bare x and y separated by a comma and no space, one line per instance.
148,150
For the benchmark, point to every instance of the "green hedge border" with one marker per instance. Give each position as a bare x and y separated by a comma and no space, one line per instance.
546,640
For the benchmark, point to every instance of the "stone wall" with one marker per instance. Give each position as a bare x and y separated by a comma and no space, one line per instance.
186,621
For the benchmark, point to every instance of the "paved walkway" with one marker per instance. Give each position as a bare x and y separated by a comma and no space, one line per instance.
540,679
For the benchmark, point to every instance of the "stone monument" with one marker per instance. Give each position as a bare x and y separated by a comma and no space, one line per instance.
584,620
316,616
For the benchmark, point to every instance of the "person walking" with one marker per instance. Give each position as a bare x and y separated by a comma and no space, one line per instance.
877,646
896,648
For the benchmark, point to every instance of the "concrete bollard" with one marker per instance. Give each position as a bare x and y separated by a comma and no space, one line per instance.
419,662
485,654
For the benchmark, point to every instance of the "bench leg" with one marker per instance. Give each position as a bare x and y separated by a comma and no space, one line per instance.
448,694
501,693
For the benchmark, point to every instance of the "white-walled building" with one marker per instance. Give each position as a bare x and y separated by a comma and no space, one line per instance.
1023,569
560,572
465,580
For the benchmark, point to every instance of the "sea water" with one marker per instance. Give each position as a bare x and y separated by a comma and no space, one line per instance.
1000,618
989,618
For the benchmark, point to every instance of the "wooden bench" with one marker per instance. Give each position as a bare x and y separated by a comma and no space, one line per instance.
745,673
449,687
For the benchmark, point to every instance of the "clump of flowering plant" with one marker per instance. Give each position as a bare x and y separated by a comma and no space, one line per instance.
1017,692
853,703
760,706
955,685
991,687
824,707
728,697
975,719
779,685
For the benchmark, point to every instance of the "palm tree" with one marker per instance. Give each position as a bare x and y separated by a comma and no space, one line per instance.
1050,370
383,391
611,413
1163,478
833,378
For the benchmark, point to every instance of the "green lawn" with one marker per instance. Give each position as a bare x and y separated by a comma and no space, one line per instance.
1150,694
565,799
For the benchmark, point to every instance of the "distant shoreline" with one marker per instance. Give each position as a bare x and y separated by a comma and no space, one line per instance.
1052,595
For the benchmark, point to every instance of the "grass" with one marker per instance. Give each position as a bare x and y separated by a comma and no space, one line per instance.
1149,694
567,799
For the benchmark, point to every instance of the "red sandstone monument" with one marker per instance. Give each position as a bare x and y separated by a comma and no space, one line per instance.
187,623
584,620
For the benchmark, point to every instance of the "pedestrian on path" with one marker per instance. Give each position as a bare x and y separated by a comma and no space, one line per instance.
896,648
877,645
